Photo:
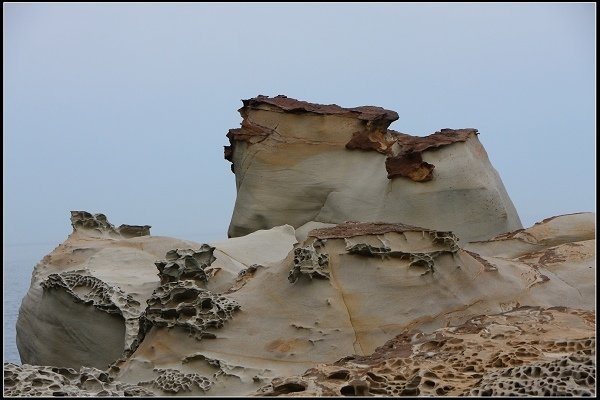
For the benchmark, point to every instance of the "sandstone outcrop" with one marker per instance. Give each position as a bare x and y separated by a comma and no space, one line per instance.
528,351
43,381
99,225
388,265
183,314
87,296
297,162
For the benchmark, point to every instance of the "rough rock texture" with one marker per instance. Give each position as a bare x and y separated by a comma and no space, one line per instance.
344,290
424,254
310,262
92,291
409,162
181,264
84,285
173,381
32,380
185,305
371,281
83,220
528,351
297,162
87,296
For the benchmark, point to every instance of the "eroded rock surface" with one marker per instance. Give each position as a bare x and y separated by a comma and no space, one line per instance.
397,235
552,231
173,381
185,305
346,290
181,264
95,287
297,162
43,381
310,261
85,221
343,290
84,284
377,280
90,290
529,351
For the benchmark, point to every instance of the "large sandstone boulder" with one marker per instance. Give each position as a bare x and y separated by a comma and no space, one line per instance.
86,297
297,162
226,318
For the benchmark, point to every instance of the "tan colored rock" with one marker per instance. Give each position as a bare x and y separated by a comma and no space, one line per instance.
529,351
318,276
297,162
186,324
45,381
346,290
86,297
98,225
551,231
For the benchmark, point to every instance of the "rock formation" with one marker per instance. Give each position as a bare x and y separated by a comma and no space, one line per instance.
98,283
189,315
84,221
284,311
41,381
528,351
297,162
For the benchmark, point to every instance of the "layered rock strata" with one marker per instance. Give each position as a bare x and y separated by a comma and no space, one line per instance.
297,162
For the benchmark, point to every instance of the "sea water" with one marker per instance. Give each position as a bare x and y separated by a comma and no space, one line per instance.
19,261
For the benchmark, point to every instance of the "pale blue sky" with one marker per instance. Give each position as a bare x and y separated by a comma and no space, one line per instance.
123,109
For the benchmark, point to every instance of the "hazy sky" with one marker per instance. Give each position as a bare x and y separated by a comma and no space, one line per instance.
123,109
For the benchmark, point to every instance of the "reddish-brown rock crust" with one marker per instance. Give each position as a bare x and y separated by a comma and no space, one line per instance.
287,104
351,229
252,133
403,151
409,161
416,144
376,140
486,264
409,165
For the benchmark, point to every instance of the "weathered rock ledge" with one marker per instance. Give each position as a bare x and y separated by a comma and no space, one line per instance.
299,163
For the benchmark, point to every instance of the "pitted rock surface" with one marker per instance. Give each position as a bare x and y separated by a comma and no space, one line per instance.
98,223
184,304
572,375
173,381
310,261
182,264
42,381
528,351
